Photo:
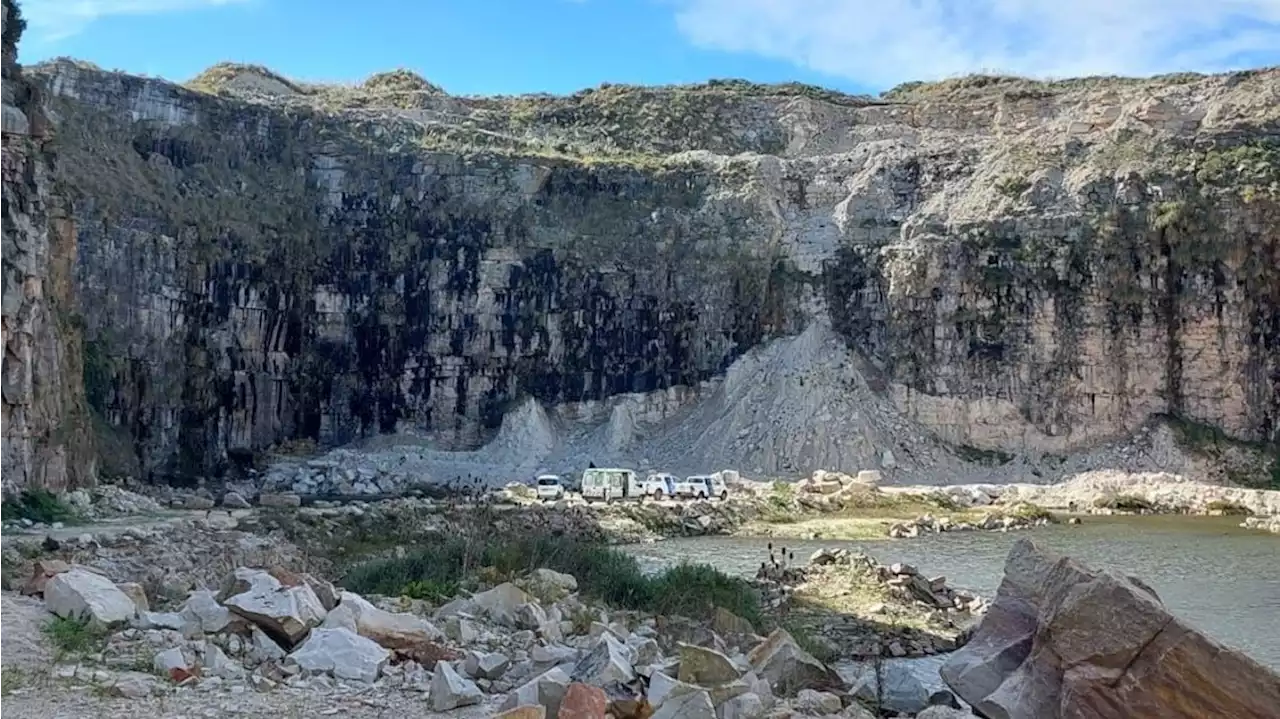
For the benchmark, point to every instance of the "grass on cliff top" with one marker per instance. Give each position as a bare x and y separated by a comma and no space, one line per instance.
603,573
1016,88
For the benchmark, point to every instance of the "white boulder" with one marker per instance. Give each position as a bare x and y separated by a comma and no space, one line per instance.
393,630
286,613
85,595
342,653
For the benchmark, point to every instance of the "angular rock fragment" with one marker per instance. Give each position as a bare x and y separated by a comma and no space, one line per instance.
1062,641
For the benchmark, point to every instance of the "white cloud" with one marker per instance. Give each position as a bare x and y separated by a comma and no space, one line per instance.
880,43
54,20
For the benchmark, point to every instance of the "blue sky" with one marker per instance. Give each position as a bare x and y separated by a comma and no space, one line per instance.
512,46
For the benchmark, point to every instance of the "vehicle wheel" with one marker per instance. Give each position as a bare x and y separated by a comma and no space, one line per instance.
657,495
724,495
702,495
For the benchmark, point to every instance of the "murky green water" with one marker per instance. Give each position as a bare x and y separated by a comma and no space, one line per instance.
1223,580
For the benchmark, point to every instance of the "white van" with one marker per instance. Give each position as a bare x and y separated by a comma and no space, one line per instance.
548,487
608,484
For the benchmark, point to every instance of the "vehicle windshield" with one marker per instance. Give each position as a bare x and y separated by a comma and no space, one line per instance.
548,481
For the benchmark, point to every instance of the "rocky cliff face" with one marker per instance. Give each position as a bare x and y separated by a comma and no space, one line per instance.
47,442
1022,267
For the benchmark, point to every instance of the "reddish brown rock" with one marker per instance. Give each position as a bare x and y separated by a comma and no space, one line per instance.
583,701
42,572
1062,641
426,653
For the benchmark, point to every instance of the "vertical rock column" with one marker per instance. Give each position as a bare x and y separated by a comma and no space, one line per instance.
47,441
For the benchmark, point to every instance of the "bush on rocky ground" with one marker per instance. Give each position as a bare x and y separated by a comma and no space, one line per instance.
74,635
603,573
1227,508
37,505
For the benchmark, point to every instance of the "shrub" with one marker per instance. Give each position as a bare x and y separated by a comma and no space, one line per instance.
37,505
1029,511
803,636
1227,507
75,636
603,573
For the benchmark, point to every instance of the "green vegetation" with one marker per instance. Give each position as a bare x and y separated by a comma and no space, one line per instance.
1227,507
1029,511
216,78
1210,441
37,505
1253,168
433,590
12,678
74,636
400,80
1012,186
603,573
14,25
1014,88
803,634
986,457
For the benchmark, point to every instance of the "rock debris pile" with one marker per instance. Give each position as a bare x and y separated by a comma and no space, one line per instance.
870,609
990,522
518,649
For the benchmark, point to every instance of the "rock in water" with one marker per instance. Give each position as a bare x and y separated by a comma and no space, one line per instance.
1062,641
84,594
342,653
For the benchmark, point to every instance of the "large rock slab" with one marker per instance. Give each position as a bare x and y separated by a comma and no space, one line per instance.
502,603
342,653
609,661
85,595
203,615
393,630
287,613
450,690
789,668
1062,641
546,690
583,701
707,667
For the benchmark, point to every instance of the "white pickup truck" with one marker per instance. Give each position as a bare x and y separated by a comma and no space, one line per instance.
702,486
660,485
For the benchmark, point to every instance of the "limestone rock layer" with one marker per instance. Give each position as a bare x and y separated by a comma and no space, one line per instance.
1020,266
